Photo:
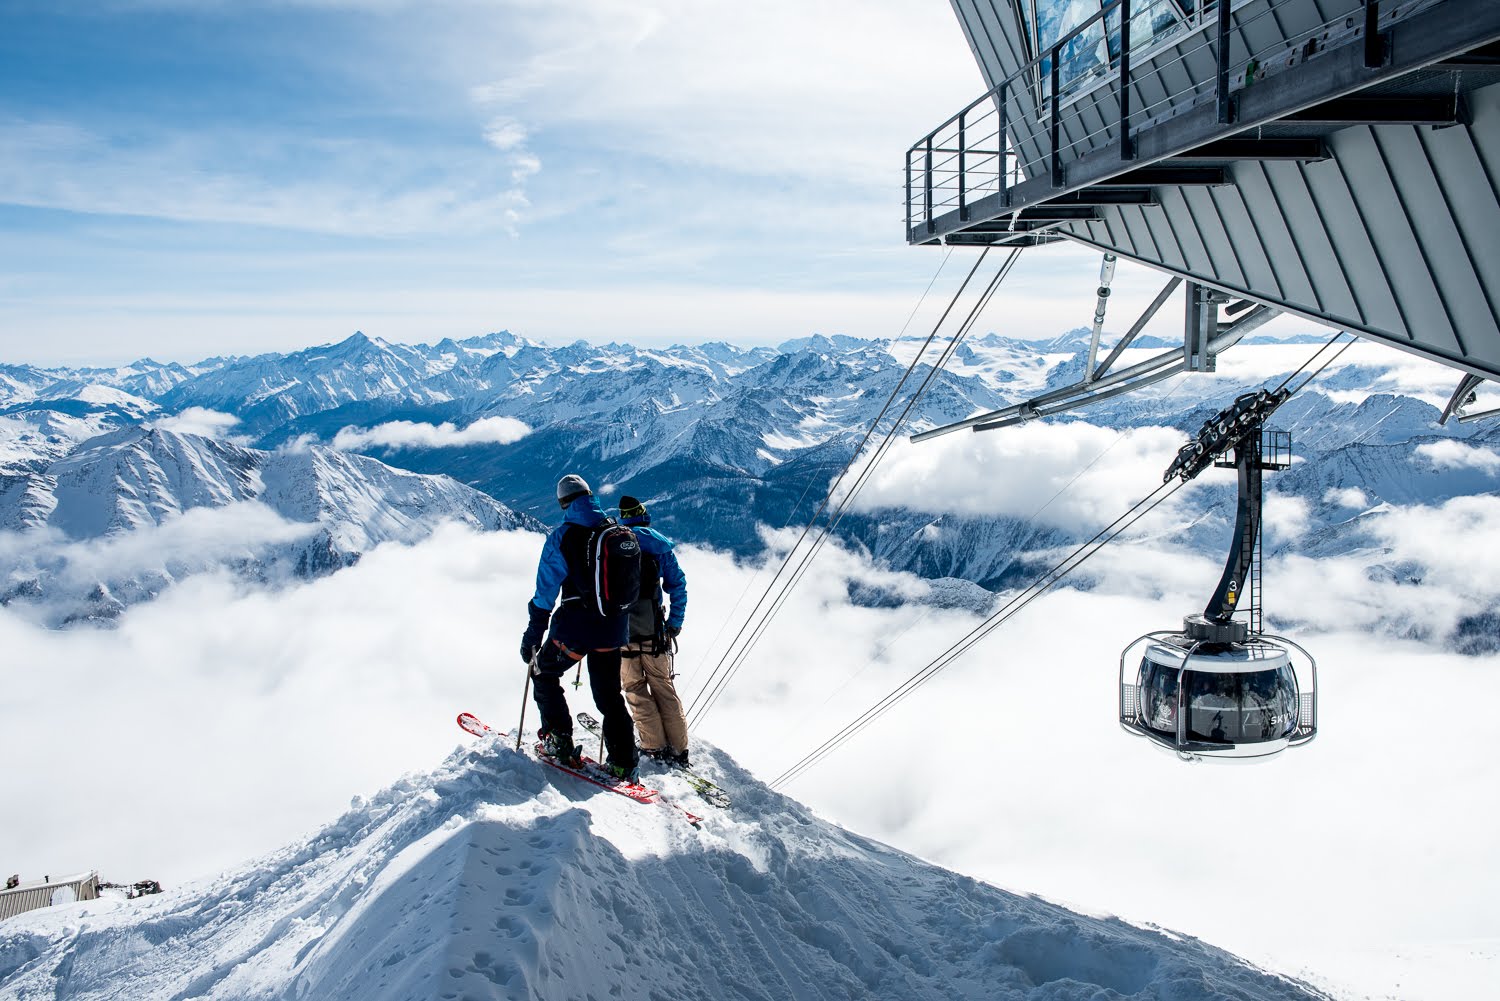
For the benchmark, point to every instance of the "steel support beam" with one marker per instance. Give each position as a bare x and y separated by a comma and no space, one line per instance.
1391,110
1302,149
1167,175
1201,326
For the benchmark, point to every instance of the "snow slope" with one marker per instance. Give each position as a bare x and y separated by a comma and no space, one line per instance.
496,877
125,514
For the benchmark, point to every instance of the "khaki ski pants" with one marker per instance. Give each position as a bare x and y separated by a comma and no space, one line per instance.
659,719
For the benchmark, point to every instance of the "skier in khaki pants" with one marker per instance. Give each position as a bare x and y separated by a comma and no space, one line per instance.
646,662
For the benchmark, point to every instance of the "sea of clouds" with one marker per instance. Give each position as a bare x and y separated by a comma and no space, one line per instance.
224,719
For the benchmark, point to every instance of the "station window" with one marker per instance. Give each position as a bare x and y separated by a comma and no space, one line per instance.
1095,51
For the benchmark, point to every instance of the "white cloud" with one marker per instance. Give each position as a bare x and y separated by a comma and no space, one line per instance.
1382,369
199,421
1351,497
505,134
524,165
239,177
197,541
1450,454
1285,517
1453,540
618,73
1028,471
1422,577
509,137
407,434
1008,766
357,676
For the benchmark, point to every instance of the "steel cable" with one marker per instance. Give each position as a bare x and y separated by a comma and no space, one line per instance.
716,685
713,679
1019,601
812,478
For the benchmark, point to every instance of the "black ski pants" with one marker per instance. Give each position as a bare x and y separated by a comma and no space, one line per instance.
553,664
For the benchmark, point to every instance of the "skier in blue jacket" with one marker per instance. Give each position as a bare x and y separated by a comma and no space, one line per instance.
578,630
647,665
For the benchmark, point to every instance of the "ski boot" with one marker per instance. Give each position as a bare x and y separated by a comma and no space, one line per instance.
625,773
561,747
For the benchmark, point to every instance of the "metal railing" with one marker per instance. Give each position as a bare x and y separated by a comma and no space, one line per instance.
972,155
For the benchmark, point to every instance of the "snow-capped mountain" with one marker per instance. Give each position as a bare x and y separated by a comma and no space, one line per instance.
57,414
726,440
495,876
204,503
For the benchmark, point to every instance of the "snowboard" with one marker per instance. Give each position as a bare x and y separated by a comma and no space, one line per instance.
711,792
591,771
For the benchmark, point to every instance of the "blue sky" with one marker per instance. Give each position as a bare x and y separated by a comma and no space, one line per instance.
187,178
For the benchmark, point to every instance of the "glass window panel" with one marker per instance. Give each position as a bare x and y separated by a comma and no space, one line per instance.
1241,708
1158,688
1094,51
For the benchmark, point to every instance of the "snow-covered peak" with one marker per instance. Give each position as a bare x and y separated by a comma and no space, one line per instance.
99,396
126,513
19,383
495,876
824,344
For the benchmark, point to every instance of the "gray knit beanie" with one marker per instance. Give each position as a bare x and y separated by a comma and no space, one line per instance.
570,488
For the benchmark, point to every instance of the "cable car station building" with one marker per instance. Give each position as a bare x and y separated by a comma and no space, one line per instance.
1336,160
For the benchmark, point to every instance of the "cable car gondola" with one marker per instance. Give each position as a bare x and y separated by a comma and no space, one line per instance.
1220,688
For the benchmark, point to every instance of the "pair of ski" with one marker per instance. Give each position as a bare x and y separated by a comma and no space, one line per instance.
589,771
710,792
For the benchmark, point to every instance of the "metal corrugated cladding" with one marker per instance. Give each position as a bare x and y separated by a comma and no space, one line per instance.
1395,235
34,896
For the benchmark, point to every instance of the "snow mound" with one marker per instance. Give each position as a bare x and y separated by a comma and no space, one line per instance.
497,877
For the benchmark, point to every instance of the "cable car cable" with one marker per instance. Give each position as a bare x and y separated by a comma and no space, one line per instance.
714,680
1023,598
813,476
701,707
705,703
1019,601
882,649
1030,521
720,666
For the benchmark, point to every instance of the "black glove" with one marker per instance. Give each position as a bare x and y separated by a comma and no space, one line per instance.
535,630
672,632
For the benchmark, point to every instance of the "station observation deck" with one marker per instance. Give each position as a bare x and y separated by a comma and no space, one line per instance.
1337,160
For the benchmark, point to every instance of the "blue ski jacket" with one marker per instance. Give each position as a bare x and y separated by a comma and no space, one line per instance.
672,577
577,625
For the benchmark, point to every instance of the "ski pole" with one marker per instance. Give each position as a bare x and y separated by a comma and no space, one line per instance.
525,697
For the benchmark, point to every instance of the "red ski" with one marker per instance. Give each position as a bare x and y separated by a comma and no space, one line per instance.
591,772
477,727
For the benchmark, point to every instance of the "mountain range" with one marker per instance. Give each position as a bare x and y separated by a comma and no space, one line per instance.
722,440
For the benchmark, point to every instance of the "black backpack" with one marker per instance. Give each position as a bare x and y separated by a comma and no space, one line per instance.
646,613
610,575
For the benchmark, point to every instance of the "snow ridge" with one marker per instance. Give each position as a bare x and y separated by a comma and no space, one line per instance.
495,877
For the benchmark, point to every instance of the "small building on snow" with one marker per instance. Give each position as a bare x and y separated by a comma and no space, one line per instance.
45,892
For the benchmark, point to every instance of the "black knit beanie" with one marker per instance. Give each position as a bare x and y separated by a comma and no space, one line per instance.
631,509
